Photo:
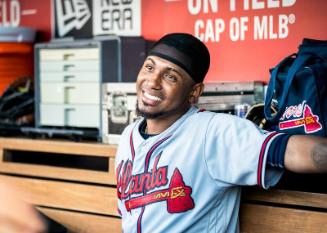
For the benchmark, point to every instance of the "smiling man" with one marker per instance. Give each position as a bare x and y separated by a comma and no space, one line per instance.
180,169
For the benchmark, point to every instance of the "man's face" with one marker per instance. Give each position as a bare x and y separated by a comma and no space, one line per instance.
163,89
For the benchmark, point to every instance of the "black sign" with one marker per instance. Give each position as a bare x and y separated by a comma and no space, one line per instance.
73,18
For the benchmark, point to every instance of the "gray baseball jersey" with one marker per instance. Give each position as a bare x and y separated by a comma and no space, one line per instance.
187,179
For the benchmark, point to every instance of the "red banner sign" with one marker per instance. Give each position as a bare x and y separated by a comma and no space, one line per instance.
245,37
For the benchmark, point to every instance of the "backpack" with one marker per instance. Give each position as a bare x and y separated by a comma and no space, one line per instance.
297,89
17,103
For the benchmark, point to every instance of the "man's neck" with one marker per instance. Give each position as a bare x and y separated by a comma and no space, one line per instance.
158,125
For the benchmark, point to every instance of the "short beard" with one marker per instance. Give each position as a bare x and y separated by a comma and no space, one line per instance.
146,115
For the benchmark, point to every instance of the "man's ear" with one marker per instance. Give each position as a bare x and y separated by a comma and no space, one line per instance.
197,90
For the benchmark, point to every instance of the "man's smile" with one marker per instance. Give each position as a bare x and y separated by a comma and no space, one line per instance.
150,99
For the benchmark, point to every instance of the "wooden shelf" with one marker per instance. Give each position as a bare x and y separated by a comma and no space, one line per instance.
57,146
57,149
286,197
257,218
278,210
82,199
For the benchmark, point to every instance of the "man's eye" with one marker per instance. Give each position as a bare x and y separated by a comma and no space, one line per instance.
170,77
149,67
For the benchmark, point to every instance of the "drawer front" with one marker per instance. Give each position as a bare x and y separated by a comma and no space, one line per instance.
70,77
83,116
51,115
69,66
70,115
69,54
74,93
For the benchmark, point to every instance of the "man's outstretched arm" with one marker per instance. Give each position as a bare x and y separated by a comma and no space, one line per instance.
306,154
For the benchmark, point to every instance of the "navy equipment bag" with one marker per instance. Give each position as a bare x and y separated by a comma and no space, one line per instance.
298,90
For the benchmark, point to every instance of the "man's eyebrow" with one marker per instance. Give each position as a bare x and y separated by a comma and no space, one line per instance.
149,58
168,67
174,70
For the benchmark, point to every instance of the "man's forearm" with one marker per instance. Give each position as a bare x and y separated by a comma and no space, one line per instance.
319,156
306,154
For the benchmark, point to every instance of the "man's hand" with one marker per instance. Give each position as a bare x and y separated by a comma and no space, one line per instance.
306,154
17,216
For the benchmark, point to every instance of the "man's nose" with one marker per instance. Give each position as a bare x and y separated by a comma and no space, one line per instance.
155,81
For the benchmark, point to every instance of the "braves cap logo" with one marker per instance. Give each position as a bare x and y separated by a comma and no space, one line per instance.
309,121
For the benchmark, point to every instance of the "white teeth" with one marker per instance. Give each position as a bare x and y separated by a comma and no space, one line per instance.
151,97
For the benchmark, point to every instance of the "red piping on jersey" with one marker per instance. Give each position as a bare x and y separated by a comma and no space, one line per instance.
148,156
262,152
119,212
139,220
132,145
146,167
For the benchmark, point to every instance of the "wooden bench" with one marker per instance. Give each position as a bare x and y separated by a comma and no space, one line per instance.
283,211
59,180
79,196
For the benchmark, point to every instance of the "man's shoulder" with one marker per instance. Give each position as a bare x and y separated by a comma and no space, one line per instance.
219,121
204,114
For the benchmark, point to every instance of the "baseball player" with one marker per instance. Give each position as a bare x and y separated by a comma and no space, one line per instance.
179,169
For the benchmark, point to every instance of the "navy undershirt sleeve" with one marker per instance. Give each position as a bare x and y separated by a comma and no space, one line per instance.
276,152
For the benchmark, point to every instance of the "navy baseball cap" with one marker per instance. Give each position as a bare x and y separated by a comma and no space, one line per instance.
186,51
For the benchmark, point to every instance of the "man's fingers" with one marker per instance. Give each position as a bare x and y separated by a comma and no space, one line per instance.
16,215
